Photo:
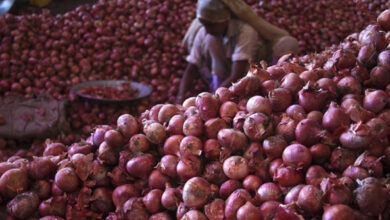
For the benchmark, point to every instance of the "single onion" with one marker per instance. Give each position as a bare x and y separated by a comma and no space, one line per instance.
166,112
315,174
292,82
296,155
383,20
338,212
228,110
196,192
371,197
309,199
269,192
236,167
66,179
138,143
213,126
259,104
335,118
172,145
320,153
375,100
175,125
228,187
248,211
287,176
292,195
273,146
215,209
280,99
190,145
357,137
208,105
193,126
233,203
127,125
296,112
257,126
308,132
140,166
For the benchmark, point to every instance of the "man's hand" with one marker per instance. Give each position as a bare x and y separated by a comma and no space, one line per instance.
188,77
239,69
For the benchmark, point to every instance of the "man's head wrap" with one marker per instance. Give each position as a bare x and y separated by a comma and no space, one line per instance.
212,10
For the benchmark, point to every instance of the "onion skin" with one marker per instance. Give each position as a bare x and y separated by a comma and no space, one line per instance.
41,168
357,137
287,176
232,139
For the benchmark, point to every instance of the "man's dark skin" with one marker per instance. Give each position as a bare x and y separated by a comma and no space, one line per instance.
238,70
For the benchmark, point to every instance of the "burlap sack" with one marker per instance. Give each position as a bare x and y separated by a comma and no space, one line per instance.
32,118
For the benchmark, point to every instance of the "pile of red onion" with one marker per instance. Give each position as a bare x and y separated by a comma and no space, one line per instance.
307,138
140,41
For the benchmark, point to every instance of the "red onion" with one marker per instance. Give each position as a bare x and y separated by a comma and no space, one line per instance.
335,192
12,182
190,145
53,206
160,216
42,188
167,165
54,149
259,104
378,128
41,168
236,167
138,143
309,199
215,209
367,56
140,166
193,126
213,126
239,119
107,154
308,132
257,126
286,128
246,86
228,110
152,201
375,100
274,165
315,174
309,75
208,105
189,102
311,98
122,193
228,187
232,139
276,72
114,138
384,58
127,125
341,158
296,112
223,94
212,149
157,180
287,176
273,146
248,211
66,179
101,200
175,125
170,198
189,167
172,145
268,209
134,209
320,153
292,195
153,113
23,205
292,82
338,212
355,172
379,77
315,116
82,165
335,118
233,203
355,111
269,192
252,183
213,173
194,214
166,112
155,132
280,99
383,20
196,192
371,164
296,155
357,137
370,197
